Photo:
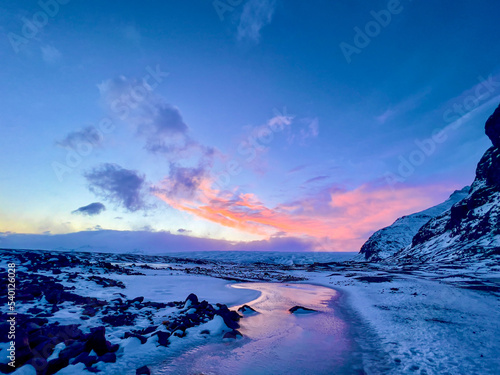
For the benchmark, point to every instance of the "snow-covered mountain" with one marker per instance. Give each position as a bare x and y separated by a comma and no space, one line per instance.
469,229
399,235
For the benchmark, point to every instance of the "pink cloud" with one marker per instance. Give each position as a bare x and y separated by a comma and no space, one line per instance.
337,220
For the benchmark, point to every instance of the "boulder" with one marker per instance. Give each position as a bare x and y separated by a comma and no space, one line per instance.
193,298
96,341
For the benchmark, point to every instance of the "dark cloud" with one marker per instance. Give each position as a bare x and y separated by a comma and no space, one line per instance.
116,184
182,230
79,138
92,209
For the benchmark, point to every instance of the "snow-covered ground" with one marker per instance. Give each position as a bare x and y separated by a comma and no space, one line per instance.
415,319
425,323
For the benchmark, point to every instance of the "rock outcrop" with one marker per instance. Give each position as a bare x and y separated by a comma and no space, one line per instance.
471,227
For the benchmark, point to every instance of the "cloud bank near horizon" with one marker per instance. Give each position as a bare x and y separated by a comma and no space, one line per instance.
146,242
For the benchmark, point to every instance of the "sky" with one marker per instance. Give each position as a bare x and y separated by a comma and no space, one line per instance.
239,124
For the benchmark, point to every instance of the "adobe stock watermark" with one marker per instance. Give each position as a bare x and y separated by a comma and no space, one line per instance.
75,153
364,36
453,118
224,6
251,146
32,27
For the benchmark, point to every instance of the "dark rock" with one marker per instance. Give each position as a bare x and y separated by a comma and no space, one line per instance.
492,128
73,350
39,363
205,332
89,311
301,309
137,299
108,358
31,328
35,310
43,345
55,365
96,341
163,338
86,359
180,333
123,319
144,370
130,334
6,369
374,279
39,320
247,310
234,334
147,330
193,298
231,318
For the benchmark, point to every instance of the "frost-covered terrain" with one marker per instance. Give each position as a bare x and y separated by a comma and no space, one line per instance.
115,314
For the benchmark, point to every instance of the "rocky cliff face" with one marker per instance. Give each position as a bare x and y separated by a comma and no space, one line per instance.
389,240
471,227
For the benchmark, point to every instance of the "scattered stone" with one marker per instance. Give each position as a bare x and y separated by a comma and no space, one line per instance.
130,334
301,310
232,335
374,279
144,370
247,310
163,338
108,358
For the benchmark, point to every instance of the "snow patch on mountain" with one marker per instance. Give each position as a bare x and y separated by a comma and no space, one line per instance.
399,235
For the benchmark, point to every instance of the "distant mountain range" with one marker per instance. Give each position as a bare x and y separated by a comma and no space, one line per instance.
466,226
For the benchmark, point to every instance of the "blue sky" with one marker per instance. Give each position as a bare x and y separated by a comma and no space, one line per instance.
256,127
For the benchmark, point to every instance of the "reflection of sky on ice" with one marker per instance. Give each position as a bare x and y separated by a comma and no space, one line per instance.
276,341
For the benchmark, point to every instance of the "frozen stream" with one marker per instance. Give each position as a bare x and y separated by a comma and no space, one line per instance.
276,341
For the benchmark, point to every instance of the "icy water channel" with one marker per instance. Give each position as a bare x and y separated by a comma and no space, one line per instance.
276,341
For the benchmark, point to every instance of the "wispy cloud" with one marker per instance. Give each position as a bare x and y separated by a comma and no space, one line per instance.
317,179
76,138
256,14
403,106
50,54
